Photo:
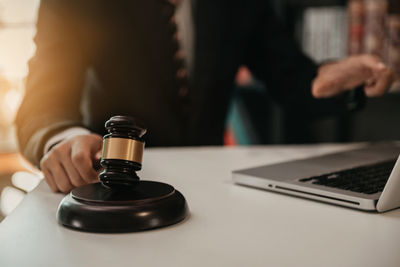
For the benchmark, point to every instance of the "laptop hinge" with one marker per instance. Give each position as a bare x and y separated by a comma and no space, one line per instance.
390,197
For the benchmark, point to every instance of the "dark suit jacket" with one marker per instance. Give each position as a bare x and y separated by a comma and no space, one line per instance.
99,58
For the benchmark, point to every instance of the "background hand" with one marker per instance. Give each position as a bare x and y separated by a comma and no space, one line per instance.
335,78
69,164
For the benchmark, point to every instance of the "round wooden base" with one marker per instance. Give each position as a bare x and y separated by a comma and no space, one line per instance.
96,208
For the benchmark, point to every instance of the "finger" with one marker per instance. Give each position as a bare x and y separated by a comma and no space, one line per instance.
49,179
324,87
83,163
333,79
61,178
47,174
63,156
73,174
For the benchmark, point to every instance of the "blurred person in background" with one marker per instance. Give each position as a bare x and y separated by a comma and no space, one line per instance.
99,58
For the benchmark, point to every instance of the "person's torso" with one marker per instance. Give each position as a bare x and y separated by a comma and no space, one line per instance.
133,69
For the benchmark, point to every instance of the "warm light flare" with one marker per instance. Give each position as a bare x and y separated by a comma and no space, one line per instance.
17,29
10,104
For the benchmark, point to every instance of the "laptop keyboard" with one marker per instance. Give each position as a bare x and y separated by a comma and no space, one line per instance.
368,179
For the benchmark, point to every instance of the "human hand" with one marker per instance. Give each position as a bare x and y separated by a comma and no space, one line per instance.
69,164
335,78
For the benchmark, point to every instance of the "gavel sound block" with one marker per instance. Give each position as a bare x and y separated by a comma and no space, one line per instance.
121,202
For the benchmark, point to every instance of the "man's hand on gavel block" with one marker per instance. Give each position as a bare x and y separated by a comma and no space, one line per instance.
344,75
69,164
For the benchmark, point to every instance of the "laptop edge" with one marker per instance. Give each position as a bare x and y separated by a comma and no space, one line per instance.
258,177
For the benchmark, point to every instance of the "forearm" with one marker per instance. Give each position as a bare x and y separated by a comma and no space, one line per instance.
54,83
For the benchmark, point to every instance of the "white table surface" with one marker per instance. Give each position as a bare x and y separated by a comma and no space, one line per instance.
229,225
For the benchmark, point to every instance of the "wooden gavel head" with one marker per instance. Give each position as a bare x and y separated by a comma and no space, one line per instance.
123,148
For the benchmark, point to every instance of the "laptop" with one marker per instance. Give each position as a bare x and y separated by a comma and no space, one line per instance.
366,178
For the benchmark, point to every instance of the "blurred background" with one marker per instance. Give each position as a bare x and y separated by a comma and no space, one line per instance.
17,29
325,29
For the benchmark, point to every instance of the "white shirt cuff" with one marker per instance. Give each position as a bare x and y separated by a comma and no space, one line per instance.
68,133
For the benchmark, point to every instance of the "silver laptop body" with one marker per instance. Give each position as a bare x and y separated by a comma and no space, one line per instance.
285,177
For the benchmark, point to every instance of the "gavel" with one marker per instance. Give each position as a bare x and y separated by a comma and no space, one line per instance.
123,148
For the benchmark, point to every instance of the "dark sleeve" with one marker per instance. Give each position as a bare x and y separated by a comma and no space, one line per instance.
55,80
276,59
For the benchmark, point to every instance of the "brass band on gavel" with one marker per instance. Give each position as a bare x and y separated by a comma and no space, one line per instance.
123,148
